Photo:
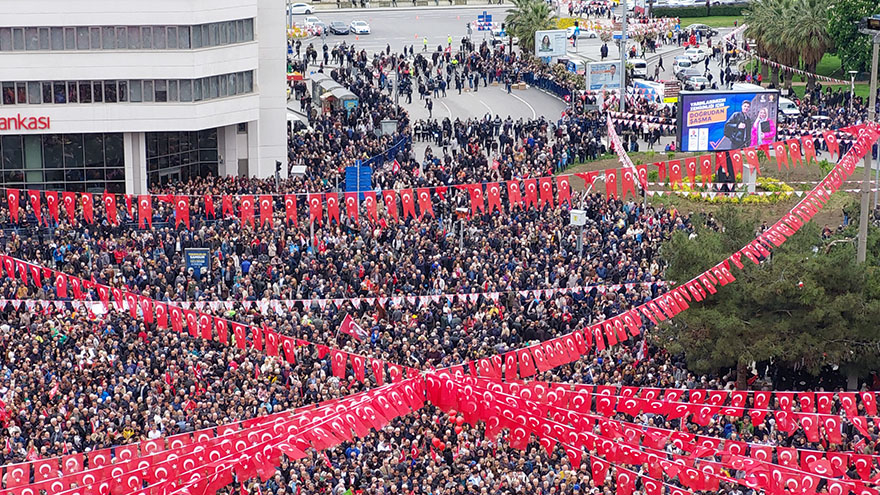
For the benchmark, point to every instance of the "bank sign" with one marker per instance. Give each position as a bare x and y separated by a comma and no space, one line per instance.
21,122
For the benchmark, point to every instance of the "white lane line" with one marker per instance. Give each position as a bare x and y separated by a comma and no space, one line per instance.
447,108
534,114
487,106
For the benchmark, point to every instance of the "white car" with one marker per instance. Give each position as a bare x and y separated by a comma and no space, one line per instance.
696,54
359,27
679,64
312,21
696,83
788,108
301,8
584,34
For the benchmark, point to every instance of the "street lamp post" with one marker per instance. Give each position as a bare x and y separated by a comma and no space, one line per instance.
623,56
852,88
871,27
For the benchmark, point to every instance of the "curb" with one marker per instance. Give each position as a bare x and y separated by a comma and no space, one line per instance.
409,8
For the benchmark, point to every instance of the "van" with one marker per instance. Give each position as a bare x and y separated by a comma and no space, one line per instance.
640,67
788,108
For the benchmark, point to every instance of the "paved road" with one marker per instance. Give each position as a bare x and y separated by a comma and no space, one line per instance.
408,27
494,100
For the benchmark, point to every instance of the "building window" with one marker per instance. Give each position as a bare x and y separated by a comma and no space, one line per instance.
17,39
57,35
82,38
108,38
135,91
85,92
173,156
5,39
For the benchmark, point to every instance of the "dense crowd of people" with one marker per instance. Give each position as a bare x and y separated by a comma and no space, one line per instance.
75,380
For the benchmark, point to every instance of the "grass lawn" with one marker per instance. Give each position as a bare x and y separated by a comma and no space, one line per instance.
862,89
715,21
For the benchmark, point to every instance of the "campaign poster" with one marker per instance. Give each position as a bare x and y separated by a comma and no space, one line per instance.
724,120
604,76
550,43
199,259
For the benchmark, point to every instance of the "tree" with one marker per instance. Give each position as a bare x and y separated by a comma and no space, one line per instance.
528,17
803,306
807,31
853,48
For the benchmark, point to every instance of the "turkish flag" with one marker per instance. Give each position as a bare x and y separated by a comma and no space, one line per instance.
52,203
513,193
408,203
69,200
611,183
290,209
832,428
809,148
12,197
88,207
526,363
642,174
781,154
794,148
240,336
869,401
736,159
661,171
690,165
176,318
493,193
625,482
60,285
510,368
371,206
145,211
210,212
205,329
476,194
563,190
110,208
181,211
831,143
628,183
589,177
161,315
351,206
706,166
226,207
531,188
257,338
247,210
146,305
425,206
222,330
752,160
265,210
338,361
390,203
675,172
34,196
599,469
546,194
192,322
378,371
332,207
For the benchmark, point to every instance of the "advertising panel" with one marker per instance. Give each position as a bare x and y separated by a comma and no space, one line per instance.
604,76
550,43
197,259
724,120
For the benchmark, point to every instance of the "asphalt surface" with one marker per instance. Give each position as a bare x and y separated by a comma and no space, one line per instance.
409,27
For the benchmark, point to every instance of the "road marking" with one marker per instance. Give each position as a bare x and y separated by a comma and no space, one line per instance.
447,108
484,104
534,114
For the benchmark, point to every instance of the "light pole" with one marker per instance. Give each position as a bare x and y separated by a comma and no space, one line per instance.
623,56
852,88
871,27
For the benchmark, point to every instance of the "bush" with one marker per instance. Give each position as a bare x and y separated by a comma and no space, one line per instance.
698,11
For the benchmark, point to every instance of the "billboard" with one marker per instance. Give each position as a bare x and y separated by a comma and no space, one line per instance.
197,259
604,76
550,43
726,120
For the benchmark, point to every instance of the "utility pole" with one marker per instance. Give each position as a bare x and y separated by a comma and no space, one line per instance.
623,55
864,214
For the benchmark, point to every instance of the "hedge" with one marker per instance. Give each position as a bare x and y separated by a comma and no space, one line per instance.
698,11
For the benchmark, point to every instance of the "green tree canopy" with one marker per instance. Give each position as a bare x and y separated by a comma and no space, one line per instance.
528,17
810,304
853,48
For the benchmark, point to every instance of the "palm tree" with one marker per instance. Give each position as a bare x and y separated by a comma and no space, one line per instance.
807,30
528,17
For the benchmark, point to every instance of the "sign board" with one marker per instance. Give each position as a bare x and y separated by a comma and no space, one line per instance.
604,76
726,120
198,259
484,21
670,91
550,43
578,217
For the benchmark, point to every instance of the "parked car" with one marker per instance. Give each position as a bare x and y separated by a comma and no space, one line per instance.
703,29
301,8
696,54
684,74
585,33
788,108
680,63
359,27
338,27
697,83
311,21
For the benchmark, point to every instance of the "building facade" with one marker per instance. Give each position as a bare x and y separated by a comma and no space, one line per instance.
120,95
